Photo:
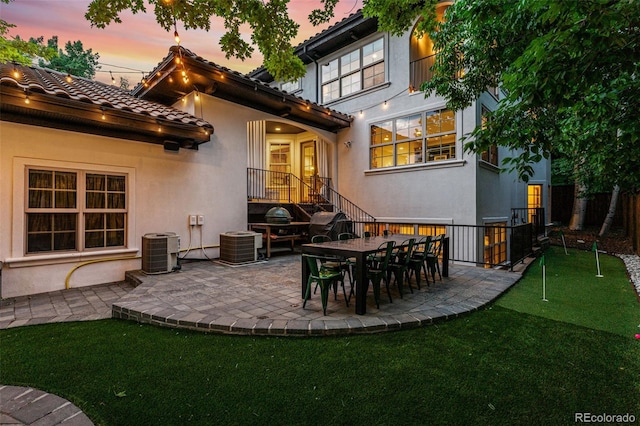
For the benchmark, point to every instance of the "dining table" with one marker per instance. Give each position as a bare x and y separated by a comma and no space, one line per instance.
358,248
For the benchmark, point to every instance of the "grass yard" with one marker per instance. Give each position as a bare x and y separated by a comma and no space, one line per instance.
507,364
575,295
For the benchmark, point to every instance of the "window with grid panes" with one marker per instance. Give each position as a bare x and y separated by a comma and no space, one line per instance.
419,138
354,71
74,210
490,155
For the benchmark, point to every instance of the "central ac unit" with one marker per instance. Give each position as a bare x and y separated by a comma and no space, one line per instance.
240,246
160,252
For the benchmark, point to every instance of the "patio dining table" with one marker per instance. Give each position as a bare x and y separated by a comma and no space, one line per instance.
357,248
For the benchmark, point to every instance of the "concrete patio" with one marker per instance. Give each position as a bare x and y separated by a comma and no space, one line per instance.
265,299
262,298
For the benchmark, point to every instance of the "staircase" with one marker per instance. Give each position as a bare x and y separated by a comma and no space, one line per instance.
266,189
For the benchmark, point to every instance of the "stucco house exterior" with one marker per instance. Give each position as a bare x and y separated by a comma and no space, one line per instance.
87,170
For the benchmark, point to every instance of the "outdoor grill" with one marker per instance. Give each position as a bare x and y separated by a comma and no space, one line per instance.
329,223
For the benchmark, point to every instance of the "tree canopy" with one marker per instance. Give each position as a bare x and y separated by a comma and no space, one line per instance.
18,50
73,60
569,70
272,29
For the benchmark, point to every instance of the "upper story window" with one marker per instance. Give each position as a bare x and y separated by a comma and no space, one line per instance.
291,86
422,56
74,210
490,155
354,71
419,138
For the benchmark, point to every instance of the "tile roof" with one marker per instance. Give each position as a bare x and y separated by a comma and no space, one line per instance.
163,85
80,89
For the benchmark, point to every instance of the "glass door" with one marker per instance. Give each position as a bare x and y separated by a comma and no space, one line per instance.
309,172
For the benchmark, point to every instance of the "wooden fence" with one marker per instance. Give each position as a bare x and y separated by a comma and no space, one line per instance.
627,215
631,218
597,207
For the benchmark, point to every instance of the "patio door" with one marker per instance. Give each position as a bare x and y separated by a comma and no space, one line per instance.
309,171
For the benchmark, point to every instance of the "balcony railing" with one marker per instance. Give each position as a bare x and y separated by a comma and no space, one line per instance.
480,245
420,71
534,216
283,187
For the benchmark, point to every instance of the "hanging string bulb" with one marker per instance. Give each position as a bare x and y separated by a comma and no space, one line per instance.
113,79
26,97
68,78
16,73
176,36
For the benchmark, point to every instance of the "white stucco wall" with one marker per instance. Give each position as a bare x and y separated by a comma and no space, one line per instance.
164,189
461,191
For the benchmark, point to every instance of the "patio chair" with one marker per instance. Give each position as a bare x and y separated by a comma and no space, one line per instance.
350,262
418,260
325,278
377,271
433,256
399,265
330,262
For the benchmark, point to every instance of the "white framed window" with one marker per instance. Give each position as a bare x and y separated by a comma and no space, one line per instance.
74,210
291,86
491,155
279,162
354,71
417,138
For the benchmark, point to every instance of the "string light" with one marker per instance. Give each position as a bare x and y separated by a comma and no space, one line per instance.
16,73
26,97
68,78
113,79
104,117
176,36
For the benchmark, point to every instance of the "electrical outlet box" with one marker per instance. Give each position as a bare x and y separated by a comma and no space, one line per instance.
200,219
193,221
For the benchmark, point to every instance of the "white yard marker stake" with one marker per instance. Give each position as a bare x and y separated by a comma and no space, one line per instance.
544,279
595,248
564,244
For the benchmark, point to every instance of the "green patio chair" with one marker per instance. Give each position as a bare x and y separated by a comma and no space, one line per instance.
399,265
325,279
329,262
433,256
418,260
377,271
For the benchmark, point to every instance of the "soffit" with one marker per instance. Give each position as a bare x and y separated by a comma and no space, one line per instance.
167,84
60,101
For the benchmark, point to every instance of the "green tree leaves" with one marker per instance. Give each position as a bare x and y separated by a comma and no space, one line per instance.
569,71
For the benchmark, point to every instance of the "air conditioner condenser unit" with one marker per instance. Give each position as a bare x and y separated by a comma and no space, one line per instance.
160,252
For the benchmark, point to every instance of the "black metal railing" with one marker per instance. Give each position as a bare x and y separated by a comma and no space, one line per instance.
420,70
284,187
480,245
534,216
490,245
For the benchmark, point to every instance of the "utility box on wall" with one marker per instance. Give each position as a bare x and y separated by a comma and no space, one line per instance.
160,252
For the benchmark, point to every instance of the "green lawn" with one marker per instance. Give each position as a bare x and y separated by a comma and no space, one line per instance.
495,366
576,295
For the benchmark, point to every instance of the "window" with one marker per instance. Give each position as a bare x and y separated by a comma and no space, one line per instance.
291,86
418,138
491,155
279,163
354,71
70,210
495,244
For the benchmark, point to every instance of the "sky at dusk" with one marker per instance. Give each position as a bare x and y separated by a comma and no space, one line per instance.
139,42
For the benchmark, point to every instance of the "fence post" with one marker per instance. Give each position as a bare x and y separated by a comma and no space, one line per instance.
445,257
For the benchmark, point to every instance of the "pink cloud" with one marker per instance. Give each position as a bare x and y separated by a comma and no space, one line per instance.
139,42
